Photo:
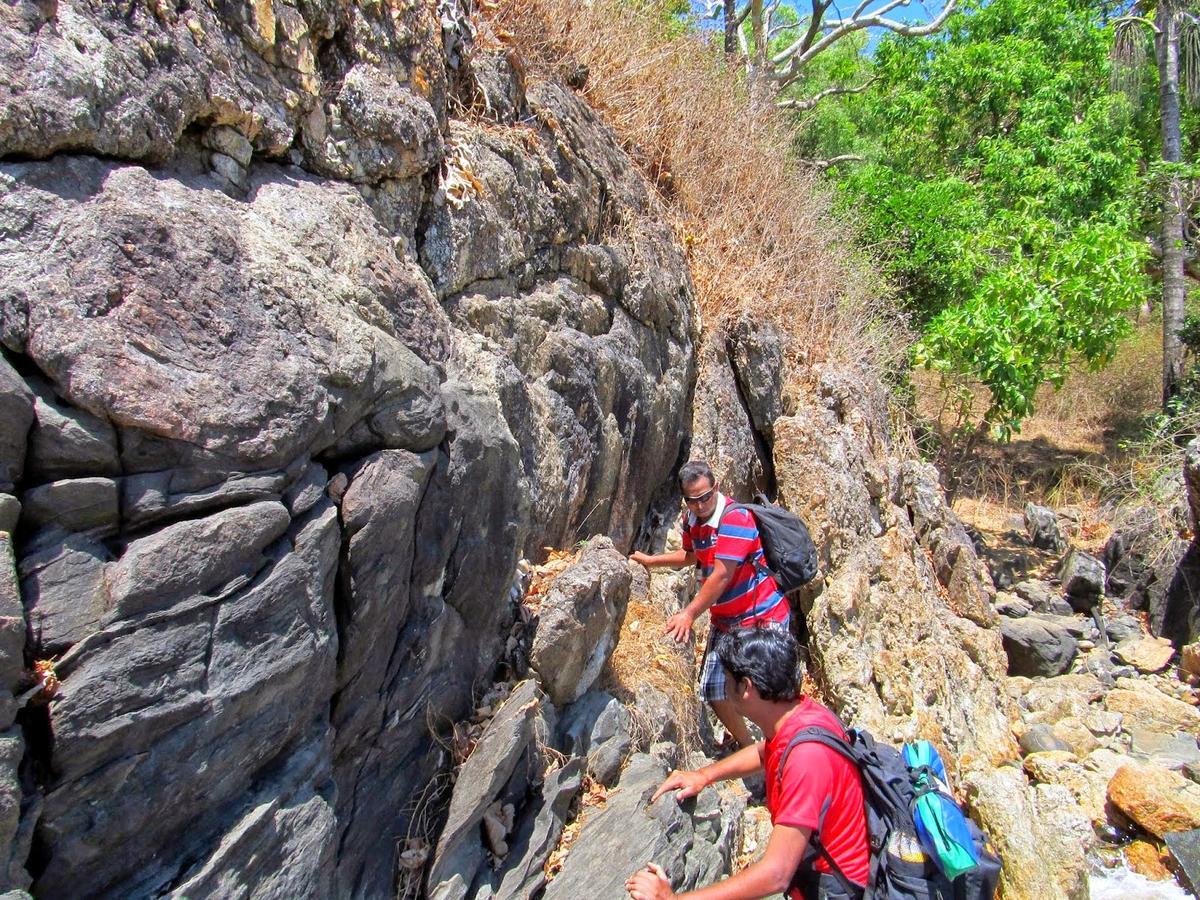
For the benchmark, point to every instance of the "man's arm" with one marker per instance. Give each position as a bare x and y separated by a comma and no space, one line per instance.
679,626
770,875
676,558
745,762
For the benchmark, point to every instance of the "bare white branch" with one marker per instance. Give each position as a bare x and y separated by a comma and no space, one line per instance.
822,164
809,102
849,26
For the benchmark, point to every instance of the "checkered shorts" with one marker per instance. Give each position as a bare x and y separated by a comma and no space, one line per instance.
712,673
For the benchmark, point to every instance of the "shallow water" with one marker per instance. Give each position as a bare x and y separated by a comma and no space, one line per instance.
1122,884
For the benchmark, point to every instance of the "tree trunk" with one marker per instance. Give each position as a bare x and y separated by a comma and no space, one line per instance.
731,45
1174,286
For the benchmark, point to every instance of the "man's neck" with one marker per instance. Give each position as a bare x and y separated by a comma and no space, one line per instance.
770,715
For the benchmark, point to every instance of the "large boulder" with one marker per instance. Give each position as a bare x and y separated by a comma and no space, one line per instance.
1041,524
1017,821
210,680
1082,577
1158,800
1146,707
1144,653
578,621
1037,646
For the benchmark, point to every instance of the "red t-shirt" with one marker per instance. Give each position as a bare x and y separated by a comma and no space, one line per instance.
752,596
812,774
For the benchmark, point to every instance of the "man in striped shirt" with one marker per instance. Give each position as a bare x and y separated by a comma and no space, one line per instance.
737,588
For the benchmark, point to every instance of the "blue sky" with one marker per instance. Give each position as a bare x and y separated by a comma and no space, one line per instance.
916,11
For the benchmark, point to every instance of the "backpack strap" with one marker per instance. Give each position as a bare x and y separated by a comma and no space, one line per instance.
759,566
816,734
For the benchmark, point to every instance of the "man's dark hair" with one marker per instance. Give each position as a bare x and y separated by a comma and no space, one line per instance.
769,656
695,470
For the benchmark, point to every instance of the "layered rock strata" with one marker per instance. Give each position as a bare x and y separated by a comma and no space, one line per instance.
297,363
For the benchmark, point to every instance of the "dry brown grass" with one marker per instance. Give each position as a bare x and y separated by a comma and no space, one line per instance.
645,658
756,223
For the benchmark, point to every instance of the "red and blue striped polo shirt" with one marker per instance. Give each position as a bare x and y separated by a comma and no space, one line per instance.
752,597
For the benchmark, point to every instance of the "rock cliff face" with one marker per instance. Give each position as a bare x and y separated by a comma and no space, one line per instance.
316,318
297,364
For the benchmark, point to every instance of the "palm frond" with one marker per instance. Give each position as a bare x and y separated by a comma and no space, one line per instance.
1128,57
1189,56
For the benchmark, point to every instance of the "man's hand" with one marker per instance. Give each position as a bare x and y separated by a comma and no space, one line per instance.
639,557
649,883
685,784
679,626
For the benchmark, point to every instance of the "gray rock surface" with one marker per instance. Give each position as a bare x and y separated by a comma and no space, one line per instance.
1171,751
578,622
1120,628
1175,612
79,504
1082,577
1134,538
538,834
1041,739
1011,605
15,822
16,411
1041,524
251,273
1185,848
1037,646
596,727
1043,597
65,591
756,354
67,442
482,780
686,840
722,431
10,512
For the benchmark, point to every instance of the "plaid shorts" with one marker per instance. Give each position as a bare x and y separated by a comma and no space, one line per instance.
712,673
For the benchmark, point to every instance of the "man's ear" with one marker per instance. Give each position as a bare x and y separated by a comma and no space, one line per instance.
744,687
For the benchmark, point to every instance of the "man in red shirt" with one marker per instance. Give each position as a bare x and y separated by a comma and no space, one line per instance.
818,792
738,589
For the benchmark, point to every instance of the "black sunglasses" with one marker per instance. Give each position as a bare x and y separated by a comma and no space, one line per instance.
699,501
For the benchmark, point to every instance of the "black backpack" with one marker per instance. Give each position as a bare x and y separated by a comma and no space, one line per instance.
790,552
900,867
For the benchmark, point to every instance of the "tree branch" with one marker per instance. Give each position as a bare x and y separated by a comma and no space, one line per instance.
809,102
844,27
822,164
814,26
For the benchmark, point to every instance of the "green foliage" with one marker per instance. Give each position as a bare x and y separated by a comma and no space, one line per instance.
1002,187
1056,296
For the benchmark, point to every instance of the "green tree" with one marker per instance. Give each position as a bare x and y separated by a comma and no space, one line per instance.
1000,187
